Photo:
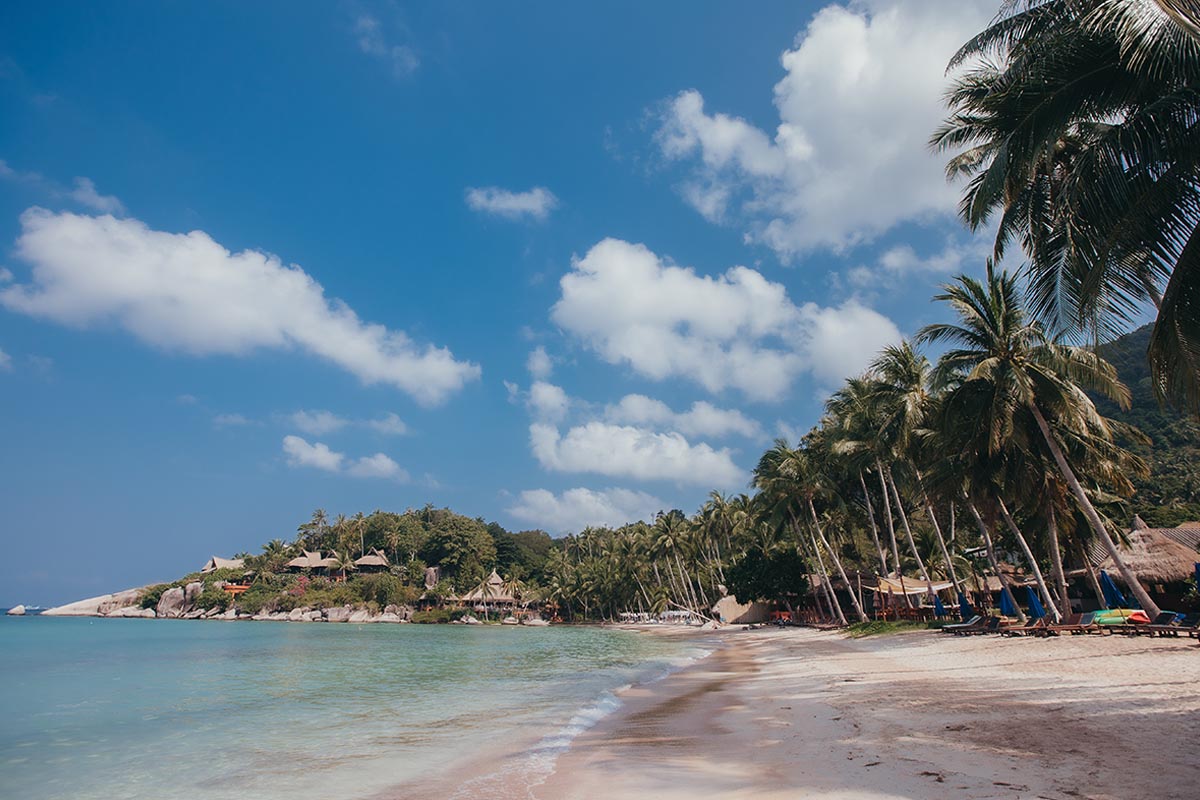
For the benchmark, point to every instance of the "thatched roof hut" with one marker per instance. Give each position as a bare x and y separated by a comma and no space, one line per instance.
216,562
309,560
372,560
1155,558
492,590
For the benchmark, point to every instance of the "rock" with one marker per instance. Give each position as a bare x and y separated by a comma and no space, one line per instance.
297,614
230,613
315,616
195,613
469,620
278,615
341,614
360,616
16,611
100,606
190,593
170,604
388,616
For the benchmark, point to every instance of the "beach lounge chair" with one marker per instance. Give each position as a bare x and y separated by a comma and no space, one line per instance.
1074,624
975,621
1031,627
991,625
1162,625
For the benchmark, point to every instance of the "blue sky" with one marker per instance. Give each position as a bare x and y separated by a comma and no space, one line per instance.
545,264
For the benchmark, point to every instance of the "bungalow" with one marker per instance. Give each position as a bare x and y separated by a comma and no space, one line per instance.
374,561
216,562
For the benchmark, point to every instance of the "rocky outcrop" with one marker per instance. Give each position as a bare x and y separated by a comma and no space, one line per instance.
171,603
361,616
190,593
341,614
403,612
388,617
101,606
16,611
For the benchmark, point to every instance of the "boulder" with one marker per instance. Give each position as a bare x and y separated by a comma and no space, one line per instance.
230,613
360,616
170,604
315,616
16,611
195,613
340,614
297,615
403,612
388,616
100,606
469,620
190,593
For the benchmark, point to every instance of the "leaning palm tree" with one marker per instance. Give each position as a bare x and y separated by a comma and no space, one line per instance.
996,346
1077,124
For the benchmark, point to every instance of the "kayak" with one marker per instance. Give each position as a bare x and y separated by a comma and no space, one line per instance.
1121,616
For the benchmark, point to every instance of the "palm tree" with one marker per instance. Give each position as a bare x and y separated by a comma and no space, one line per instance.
1005,357
1078,126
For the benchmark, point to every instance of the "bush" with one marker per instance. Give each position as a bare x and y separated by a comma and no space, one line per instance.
151,596
382,589
212,597
439,616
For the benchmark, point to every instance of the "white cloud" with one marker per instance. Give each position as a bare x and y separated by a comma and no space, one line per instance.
576,509
317,423
631,452
902,261
736,330
6,275
548,402
539,364
85,194
402,59
377,466
302,454
537,203
848,160
702,419
513,391
5,359
388,425
230,421
184,292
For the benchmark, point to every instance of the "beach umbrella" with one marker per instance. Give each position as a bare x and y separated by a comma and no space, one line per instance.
964,607
1198,577
1006,605
938,608
1035,607
1112,595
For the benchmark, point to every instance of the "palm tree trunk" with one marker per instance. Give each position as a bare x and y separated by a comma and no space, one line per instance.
991,554
833,601
887,514
937,529
1093,518
1051,606
1092,579
1060,576
874,527
908,532
837,562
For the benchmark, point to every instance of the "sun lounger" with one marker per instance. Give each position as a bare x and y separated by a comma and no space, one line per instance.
973,622
1074,624
1165,624
1031,627
992,625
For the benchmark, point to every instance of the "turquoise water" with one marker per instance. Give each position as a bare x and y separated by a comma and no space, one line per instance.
104,708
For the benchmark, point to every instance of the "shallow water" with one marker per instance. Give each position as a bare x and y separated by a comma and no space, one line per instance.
103,708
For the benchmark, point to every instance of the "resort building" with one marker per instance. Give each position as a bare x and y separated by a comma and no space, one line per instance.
216,562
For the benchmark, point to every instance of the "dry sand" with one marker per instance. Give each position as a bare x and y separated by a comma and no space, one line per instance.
802,714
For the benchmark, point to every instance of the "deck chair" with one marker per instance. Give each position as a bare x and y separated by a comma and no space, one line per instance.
958,626
1031,627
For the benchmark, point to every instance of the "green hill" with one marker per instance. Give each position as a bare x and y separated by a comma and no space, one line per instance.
1171,494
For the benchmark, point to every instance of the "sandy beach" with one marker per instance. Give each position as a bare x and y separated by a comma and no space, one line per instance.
799,713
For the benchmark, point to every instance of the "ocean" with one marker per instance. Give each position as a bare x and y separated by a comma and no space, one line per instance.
131,708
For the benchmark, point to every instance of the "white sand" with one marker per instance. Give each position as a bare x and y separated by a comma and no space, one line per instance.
796,713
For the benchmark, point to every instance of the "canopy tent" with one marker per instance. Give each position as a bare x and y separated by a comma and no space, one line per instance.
910,586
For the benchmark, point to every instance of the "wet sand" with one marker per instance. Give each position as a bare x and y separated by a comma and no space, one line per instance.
797,713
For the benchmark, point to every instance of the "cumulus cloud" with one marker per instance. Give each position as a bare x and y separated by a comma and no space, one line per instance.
377,466
576,509
539,363
902,261
737,330
631,452
861,94
317,423
401,58
85,194
6,275
300,453
548,402
187,293
536,204
388,425
702,419
230,421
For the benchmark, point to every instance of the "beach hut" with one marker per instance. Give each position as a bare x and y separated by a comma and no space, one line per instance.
492,591
374,561
307,560
216,562
1162,565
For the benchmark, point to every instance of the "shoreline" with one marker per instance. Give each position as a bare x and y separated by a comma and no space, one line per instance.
782,713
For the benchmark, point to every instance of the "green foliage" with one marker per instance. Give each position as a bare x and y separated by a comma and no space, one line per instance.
438,616
212,597
152,594
770,575
382,589
460,545
884,628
